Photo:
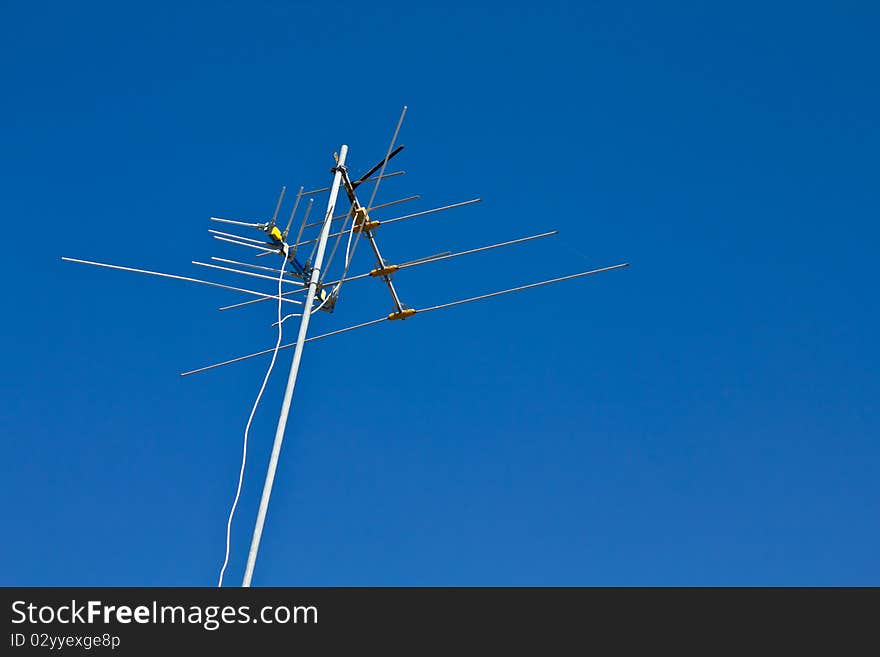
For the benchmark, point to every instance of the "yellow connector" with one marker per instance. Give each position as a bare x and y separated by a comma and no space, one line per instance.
370,225
362,221
402,314
360,216
384,271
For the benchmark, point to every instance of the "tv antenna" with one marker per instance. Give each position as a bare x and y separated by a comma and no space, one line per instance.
309,276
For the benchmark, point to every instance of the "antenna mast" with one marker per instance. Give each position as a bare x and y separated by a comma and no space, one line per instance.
294,368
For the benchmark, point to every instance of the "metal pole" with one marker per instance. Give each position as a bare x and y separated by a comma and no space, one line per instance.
294,368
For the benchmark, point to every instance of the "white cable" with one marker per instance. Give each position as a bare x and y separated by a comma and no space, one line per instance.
349,255
248,426
286,317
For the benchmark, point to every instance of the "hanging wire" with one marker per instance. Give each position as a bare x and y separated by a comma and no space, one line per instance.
247,429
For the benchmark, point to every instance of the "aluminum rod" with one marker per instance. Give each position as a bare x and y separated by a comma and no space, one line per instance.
412,263
175,277
376,207
424,212
253,246
426,258
410,216
327,189
336,218
238,237
521,287
278,205
330,284
314,250
294,369
293,212
381,262
422,310
245,273
252,266
335,245
387,157
303,225
246,303
480,249
236,223
439,257
284,346
414,197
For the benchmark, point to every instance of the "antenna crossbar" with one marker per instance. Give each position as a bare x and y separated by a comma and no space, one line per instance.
248,273
176,277
414,312
327,189
439,257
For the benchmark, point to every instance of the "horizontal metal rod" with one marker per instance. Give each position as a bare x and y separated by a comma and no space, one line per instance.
521,287
409,216
312,241
414,263
284,346
430,257
253,246
327,189
406,199
424,212
321,223
247,303
236,223
409,263
477,250
252,266
443,256
238,237
378,207
332,283
245,273
422,310
176,277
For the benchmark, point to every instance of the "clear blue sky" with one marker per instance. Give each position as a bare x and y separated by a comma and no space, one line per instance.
707,416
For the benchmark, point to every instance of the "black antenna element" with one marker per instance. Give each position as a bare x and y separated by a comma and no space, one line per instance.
378,166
